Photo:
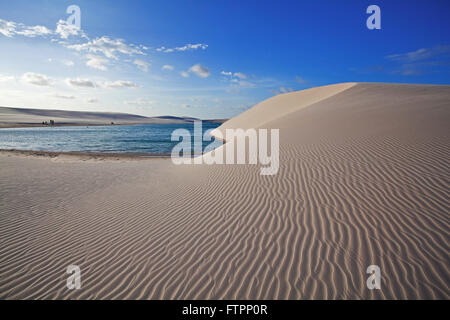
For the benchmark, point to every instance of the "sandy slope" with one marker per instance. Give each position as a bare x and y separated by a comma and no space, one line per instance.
363,179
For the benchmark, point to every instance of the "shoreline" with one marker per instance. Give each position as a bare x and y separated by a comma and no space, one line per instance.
89,155
39,125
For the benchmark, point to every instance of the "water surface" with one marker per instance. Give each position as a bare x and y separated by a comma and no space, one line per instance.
145,138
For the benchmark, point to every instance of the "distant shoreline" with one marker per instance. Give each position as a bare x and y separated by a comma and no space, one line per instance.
88,155
40,125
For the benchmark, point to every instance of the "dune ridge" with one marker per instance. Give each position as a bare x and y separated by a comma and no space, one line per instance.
23,117
281,105
364,179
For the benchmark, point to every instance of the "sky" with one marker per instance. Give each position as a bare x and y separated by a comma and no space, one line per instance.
210,59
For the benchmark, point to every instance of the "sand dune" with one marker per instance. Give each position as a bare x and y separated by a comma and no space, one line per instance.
283,104
21,117
364,179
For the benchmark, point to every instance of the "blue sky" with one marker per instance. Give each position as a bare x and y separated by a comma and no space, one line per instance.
210,59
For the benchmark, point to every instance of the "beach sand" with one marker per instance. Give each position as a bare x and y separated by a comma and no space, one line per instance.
363,180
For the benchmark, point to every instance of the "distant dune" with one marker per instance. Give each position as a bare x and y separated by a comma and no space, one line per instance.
364,179
19,117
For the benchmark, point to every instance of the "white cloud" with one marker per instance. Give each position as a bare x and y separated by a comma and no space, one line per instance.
96,62
164,49
36,79
242,83
86,83
422,60
5,78
120,84
10,28
240,75
282,90
420,54
200,71
109,47
65,30
78,82
63,96
34,31
7,28
140,102
167,67
186,47
238,78
192,47
92,100
184,74
141,64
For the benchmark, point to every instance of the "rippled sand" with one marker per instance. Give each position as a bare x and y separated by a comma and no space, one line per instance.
363,179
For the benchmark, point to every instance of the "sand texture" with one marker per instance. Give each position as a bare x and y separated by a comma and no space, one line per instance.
363,180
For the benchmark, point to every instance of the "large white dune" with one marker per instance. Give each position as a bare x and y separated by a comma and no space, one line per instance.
281,105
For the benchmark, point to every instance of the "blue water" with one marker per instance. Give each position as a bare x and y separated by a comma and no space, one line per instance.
146,138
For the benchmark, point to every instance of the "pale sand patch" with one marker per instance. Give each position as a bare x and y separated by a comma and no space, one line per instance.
364,179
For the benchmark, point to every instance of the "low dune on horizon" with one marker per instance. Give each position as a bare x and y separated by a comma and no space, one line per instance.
25,117
363,179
